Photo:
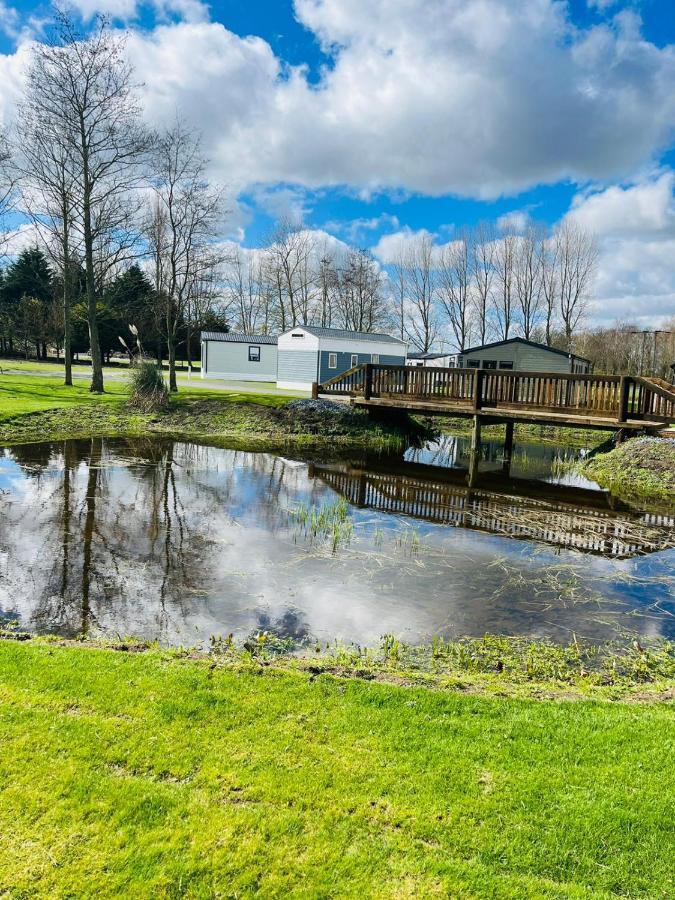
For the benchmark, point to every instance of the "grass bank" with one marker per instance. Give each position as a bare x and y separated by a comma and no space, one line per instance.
156,773
539,434
40,408
639,469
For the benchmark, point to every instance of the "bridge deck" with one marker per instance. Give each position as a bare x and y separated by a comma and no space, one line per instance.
587,401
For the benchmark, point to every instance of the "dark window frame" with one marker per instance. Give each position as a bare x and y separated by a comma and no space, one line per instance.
506,364
251,353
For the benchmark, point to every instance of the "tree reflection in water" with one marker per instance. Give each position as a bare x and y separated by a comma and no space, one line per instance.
176,541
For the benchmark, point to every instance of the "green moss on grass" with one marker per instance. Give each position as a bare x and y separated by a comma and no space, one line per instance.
225,419
639,469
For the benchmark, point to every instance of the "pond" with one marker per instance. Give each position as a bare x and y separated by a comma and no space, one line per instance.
177,541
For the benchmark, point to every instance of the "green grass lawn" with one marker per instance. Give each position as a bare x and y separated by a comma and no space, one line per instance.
146,774
27,393
30,393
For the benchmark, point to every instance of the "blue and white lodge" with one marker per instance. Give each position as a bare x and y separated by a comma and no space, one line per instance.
297,358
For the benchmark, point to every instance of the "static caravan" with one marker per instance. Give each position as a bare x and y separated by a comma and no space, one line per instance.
308,353
523,356
432,360
239,357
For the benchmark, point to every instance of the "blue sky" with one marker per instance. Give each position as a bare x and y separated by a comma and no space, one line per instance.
374,120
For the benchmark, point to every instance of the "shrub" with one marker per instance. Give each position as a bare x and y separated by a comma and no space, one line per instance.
147,388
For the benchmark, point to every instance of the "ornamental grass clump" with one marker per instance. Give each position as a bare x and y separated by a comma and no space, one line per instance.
147,388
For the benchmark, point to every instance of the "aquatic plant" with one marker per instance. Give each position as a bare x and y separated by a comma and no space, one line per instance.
329,521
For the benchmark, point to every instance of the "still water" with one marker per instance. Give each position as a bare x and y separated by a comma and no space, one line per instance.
178,541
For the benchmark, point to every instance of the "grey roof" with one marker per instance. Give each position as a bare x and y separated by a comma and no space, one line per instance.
520,340
342,334
233,337
430,355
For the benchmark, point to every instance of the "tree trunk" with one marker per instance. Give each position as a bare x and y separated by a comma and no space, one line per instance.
96,386
67,355
171,344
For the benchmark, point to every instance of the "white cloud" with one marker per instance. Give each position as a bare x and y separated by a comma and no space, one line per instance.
126,10
473,97
282,202
641,208
514,222
635,225
357,230
9,20
392,247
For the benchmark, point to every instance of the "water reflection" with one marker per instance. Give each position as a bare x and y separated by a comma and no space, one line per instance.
177,541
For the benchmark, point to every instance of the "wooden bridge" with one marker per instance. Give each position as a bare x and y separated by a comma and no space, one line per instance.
593,401
621,403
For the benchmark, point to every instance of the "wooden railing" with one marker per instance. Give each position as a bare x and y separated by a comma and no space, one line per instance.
616,397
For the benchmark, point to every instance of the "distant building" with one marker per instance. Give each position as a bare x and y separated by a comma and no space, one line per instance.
308,353
297,358
239,357
432,360
523,356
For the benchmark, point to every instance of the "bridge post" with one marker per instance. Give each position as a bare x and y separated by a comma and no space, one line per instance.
623,399
508,449
475,452
477,388
368,381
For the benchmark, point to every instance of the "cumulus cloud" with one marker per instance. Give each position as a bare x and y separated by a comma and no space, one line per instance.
9,20
393,247
635,225
473,97
126,10
514,222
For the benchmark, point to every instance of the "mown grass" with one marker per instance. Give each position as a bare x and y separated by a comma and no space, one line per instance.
154,774
36,408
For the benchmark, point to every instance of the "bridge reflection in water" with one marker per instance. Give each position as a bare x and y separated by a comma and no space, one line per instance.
567,517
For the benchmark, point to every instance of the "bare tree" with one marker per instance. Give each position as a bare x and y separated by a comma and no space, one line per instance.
246,290
82,89
416,273
577,256
504,284
7,183
183,222
358,296
482,271
50,197
528,279
548,267
290,255
454,287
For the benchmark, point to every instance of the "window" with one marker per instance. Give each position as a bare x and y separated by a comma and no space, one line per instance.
375,358
473,364
254,354
332,360
355,359
506,364
489,363
299,334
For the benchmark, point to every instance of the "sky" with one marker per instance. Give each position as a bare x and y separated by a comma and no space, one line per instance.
372,120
